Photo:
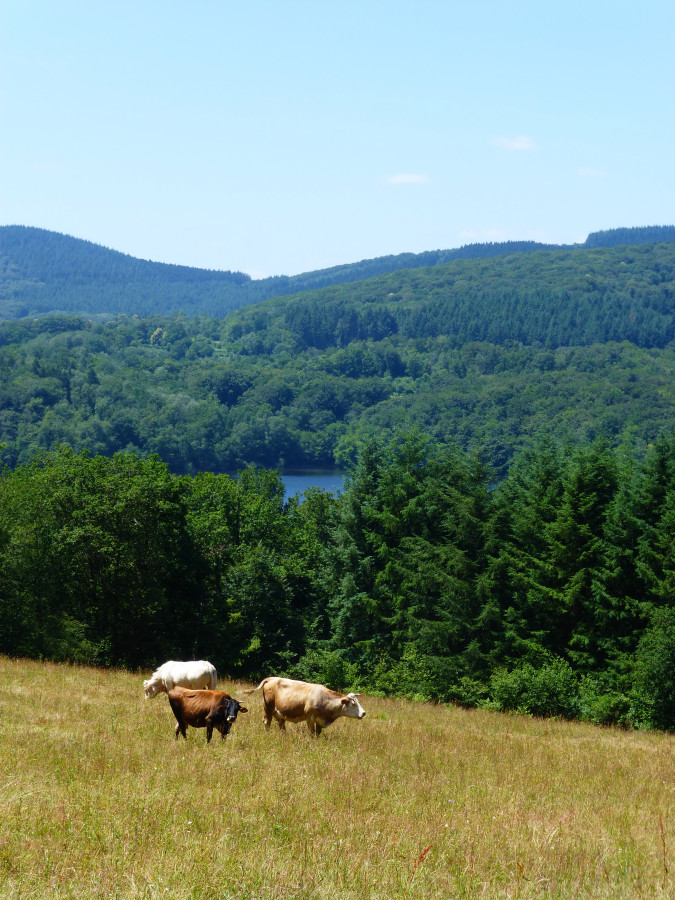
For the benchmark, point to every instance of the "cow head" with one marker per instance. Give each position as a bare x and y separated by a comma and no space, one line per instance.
150,688
351,707
225,714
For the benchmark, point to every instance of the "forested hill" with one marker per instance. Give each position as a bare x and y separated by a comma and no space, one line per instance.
45,272
485,353
549,299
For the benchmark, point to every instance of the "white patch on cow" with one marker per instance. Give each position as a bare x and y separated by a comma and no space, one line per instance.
353,709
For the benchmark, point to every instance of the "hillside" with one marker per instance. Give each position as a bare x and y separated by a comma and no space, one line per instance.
545,298
45,272
487,353
374,809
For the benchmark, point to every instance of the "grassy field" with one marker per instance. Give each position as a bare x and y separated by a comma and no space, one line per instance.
98,800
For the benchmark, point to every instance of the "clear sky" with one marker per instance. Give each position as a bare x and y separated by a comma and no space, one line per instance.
277,137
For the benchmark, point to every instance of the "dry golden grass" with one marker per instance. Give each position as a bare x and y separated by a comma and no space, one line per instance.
97,800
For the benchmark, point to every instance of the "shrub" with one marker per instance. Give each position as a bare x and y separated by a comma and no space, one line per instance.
604,707
327,667
422,676
551,690
468,692
654,685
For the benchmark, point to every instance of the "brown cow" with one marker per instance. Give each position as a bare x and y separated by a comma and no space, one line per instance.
297,701
204,709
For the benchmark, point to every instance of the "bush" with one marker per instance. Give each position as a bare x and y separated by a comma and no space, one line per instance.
468,693
68,642
551,690
507,689
604,707
421,676
654,684
327,667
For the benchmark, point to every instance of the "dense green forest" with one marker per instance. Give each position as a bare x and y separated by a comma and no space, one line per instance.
45,272
504,538
553,593
486,353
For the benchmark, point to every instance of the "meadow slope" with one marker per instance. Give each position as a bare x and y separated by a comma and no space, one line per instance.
97,800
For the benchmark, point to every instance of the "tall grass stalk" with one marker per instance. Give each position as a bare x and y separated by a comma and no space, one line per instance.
97,800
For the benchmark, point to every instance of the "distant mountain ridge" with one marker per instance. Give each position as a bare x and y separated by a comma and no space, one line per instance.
44,272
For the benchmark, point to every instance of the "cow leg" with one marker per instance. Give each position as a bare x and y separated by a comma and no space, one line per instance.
180,729
209,732
268,711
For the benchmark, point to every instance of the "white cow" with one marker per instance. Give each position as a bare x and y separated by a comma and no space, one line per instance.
198,674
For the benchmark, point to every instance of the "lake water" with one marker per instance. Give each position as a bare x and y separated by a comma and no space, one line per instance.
300,480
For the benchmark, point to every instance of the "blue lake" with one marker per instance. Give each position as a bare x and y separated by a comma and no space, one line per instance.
300,480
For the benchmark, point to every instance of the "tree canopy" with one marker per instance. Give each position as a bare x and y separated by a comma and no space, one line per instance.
488,353
550,593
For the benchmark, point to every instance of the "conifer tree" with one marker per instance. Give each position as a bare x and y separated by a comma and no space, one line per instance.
576,564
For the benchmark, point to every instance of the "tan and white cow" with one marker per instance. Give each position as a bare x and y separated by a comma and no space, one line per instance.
287,700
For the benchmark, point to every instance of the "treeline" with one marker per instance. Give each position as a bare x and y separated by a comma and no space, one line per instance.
44,272
649,234
552,593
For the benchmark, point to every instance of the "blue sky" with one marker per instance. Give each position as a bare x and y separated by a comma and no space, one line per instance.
277,138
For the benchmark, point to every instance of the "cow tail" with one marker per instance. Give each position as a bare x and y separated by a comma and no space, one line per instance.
253,690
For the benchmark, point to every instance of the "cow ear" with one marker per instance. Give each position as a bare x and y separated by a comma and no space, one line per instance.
345,700
242,708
